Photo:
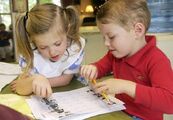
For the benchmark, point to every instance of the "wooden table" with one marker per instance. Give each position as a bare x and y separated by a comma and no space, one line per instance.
118,115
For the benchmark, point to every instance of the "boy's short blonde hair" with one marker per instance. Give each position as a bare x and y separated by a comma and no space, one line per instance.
125,13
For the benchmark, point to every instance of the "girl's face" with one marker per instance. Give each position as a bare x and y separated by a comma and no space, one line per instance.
118,40
51,45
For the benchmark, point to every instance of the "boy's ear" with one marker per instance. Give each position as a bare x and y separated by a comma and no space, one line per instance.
139,29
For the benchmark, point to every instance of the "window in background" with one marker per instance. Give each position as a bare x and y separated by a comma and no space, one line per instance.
32,3
57,2
5,14
6,19
4,6
161,16
45,1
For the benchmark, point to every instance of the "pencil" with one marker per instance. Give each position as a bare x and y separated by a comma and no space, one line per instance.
103,93
94,82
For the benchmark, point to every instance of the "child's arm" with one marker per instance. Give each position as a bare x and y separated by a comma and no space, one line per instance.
38,84
61,80
22,85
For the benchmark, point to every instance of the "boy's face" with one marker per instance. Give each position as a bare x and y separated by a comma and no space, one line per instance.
118,40
51,45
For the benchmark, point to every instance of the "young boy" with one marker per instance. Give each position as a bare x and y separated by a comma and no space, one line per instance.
143,77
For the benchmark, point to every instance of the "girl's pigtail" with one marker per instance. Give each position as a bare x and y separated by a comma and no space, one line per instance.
23,43
73,23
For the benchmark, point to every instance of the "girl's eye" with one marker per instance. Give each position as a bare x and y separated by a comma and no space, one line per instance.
57,44
42,48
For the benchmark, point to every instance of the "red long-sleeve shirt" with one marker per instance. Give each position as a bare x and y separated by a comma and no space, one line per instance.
152,72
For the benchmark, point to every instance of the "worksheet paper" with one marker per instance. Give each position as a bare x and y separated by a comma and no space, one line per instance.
9,69
76,104
8,72
6,79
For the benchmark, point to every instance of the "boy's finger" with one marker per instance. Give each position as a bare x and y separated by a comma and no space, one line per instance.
99,84
101,89
92,75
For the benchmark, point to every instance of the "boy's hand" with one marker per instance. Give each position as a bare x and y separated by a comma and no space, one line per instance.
41,86
116,86
89,72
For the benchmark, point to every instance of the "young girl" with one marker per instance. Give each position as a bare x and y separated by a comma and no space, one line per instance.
143,77
50,49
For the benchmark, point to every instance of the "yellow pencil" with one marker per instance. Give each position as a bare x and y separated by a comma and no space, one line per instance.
94,82
103,93
105,96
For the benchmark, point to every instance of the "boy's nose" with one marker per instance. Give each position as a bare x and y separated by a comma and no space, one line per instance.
107,43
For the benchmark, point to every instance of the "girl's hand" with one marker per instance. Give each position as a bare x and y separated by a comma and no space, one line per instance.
41,86
22,85
89,72
116,86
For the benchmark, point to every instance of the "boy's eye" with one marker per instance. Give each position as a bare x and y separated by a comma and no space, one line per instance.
111,37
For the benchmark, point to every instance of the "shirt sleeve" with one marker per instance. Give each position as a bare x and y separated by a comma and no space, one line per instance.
104,65
74,67
76,59
160,95
22,64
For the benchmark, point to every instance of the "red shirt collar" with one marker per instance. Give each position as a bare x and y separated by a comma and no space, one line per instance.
137,57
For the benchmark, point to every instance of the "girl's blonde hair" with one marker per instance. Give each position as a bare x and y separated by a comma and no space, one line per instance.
39,20
125,13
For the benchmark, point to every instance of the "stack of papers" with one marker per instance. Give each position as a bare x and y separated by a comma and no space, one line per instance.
8,72
72,105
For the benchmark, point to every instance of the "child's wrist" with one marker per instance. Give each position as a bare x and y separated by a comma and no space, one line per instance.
130,89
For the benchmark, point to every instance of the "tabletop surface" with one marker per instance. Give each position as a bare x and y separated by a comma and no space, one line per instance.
74,84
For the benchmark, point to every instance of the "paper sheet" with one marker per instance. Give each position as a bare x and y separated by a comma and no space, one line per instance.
9,69
5,80
8,72
72,105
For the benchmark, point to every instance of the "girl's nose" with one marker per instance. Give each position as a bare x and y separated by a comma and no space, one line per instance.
52,51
